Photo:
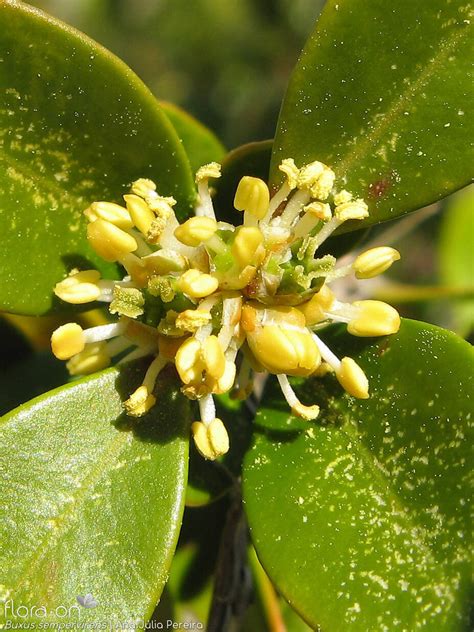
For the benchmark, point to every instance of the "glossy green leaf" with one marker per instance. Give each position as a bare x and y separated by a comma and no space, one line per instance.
200,144
381,93
362,518
251,159
76,125
91,501
456,256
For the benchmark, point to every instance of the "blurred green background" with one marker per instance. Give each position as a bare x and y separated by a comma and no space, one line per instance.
225,61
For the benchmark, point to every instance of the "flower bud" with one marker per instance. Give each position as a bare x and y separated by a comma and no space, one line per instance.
374,261
253,196
352,378
79,288
374,318
211,440
196,230
67,341
110,242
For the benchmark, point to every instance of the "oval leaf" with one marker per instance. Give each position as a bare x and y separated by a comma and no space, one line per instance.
91,502
362,519
201,145
76,125
380,94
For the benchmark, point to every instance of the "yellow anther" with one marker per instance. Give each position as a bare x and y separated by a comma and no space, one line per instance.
211,440
212,170
213,357
253,196
314,309
285,346
374,261
79,288
156,230
316,178
110,242
92,358
140,212
165,261
197,284
196,230
67,340
113,213
374,318
291,172
319,209
342,197
356,209
353,379
189,362
140,402
162,206
248,246
226,381
143,187
305,412
192,319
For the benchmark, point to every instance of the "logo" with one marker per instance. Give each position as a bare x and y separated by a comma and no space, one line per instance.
87,601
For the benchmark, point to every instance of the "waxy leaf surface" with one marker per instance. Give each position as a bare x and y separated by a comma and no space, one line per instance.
76,125
362,518
200,144
381,95
91,501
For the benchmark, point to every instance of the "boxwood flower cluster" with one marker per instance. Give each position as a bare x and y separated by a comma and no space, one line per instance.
224,302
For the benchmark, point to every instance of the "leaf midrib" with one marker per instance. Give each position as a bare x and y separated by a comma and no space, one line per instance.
114,448
398,105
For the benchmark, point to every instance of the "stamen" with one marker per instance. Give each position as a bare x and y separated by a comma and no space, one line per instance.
205,206
294,207
104,332
207,409
326,353
306,412
153,371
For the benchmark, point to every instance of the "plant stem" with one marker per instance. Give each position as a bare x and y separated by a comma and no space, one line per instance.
401,293
232,582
